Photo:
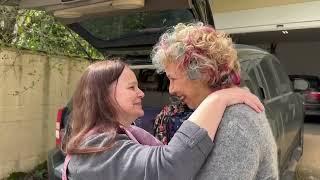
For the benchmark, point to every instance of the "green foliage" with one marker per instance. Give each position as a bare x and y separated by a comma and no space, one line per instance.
38,31
7,24
17,176
40,172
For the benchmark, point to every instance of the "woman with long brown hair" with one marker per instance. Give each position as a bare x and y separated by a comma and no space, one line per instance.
104,145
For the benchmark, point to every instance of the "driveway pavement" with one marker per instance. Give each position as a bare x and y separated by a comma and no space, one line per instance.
309,164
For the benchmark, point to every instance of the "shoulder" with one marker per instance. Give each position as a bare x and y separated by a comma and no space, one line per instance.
100,140
243,116
241,121
243,140
243,126
240,111
98,165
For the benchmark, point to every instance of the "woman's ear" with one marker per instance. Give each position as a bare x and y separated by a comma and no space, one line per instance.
206,76
193,74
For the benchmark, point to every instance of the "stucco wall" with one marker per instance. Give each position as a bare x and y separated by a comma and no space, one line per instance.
32,88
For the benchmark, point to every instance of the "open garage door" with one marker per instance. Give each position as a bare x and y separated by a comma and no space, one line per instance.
270,17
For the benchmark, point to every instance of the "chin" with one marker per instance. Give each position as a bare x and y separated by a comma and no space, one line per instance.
191,106
140,114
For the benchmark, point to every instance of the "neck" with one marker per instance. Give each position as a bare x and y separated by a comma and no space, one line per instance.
202,96
207,93
125,121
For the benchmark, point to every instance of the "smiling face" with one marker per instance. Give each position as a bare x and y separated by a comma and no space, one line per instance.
191,92
129,97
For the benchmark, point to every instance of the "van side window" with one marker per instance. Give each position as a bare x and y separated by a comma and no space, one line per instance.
250,78
269,76
249,73
285,84
255,81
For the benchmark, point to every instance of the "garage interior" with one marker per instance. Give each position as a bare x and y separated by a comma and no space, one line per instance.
298,50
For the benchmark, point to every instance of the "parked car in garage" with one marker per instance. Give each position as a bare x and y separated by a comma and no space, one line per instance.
130,28
309,87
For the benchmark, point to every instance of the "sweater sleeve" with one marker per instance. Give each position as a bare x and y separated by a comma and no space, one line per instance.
183,156
181,159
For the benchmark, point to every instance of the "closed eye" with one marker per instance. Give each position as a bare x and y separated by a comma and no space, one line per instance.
172,79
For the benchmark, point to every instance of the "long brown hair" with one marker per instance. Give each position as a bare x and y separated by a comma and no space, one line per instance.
93,107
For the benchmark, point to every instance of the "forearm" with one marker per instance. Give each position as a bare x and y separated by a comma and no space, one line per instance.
183,156
181,159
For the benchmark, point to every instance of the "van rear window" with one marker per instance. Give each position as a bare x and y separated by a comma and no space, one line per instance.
126,25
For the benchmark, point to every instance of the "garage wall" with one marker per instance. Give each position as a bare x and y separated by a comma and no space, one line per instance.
32,88
298,57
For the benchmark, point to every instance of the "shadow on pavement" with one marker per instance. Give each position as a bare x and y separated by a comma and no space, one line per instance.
309,165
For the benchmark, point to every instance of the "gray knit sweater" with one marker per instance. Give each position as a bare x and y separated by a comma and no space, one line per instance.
127,160
244,148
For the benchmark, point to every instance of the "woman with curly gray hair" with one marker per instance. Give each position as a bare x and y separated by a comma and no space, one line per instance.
199,61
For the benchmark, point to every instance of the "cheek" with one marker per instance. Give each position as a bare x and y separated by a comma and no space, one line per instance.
179,84
126,100
121,98
190,87
185,85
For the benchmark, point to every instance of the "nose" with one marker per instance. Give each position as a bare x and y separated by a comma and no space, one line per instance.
140,93
171,89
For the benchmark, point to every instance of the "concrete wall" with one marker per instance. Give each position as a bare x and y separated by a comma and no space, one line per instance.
32,88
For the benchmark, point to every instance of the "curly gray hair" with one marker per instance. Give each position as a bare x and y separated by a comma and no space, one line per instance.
198,47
